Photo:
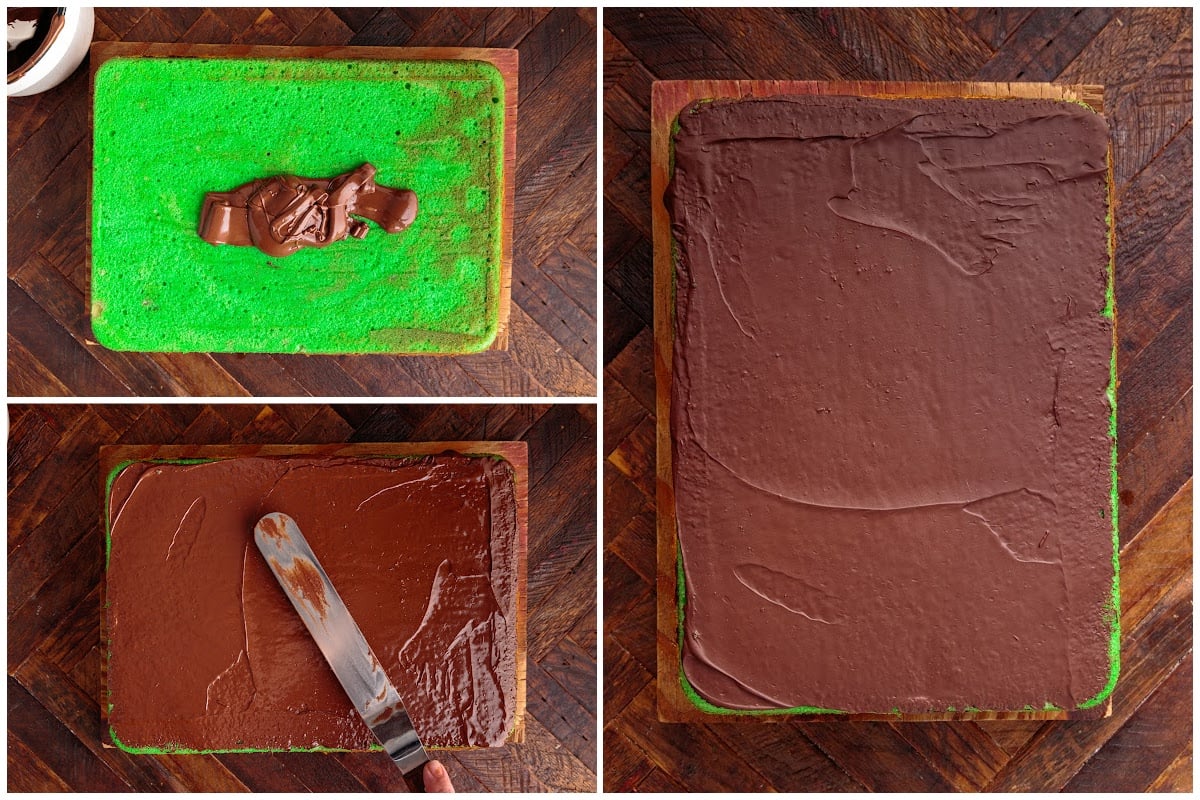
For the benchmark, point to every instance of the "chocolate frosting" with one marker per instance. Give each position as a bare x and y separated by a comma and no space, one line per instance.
889,413
283,214
31,31
208,654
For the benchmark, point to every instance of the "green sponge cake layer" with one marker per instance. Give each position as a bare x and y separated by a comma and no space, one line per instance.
168,130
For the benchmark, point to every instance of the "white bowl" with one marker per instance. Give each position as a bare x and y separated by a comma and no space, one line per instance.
62,57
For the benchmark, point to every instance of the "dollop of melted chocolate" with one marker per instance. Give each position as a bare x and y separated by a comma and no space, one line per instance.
282,214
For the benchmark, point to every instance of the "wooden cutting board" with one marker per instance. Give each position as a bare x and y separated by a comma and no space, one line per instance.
503,60
668,98
516,453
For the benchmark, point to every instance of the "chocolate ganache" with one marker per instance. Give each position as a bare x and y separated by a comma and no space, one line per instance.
31,32
282,214
206,652
889,405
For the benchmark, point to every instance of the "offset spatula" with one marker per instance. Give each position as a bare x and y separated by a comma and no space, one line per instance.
327,619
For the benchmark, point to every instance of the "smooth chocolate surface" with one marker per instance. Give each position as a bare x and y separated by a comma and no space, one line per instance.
207,653
889,413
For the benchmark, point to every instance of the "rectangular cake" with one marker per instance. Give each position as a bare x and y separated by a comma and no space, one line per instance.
891,406
204,652
170,130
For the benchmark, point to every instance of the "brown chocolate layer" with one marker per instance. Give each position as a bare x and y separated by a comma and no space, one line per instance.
891,450
284,213
31,32
208,654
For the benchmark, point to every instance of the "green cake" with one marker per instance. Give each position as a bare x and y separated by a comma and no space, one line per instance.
169,130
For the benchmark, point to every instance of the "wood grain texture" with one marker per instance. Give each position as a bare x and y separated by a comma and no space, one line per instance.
1143,59
55,569
551,310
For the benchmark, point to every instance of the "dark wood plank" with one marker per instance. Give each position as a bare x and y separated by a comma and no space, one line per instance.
869,44
1178,776
1158,732
791,56
563,717
1143,56
937,38
1057,752
29,432
207,29
70,459
788,761
626,763
376,772
1152,288
67,758
154,26
65,585
893,765
572,665
54,348
722,769
622,412
658,781
669,40
1149,206
61,299
27,772
1154,469
121,20
624,679
261,772
1156,558
993,25
1044,43
633,546
319,772
1151,383
962,752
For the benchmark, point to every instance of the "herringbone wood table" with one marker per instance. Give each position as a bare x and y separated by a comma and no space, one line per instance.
552,339
56,557
1143,58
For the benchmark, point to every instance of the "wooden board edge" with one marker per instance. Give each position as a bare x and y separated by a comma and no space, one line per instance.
516,453
668,98
110,455
671,702
105,731
505,60
509,68
695,715
673,95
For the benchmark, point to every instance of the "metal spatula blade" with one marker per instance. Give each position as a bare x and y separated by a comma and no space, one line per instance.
325,615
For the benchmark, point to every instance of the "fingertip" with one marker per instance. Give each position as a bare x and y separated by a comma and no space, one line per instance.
436,778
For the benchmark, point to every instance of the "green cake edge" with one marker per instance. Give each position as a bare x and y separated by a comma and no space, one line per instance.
107,645
399,341
1112,608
